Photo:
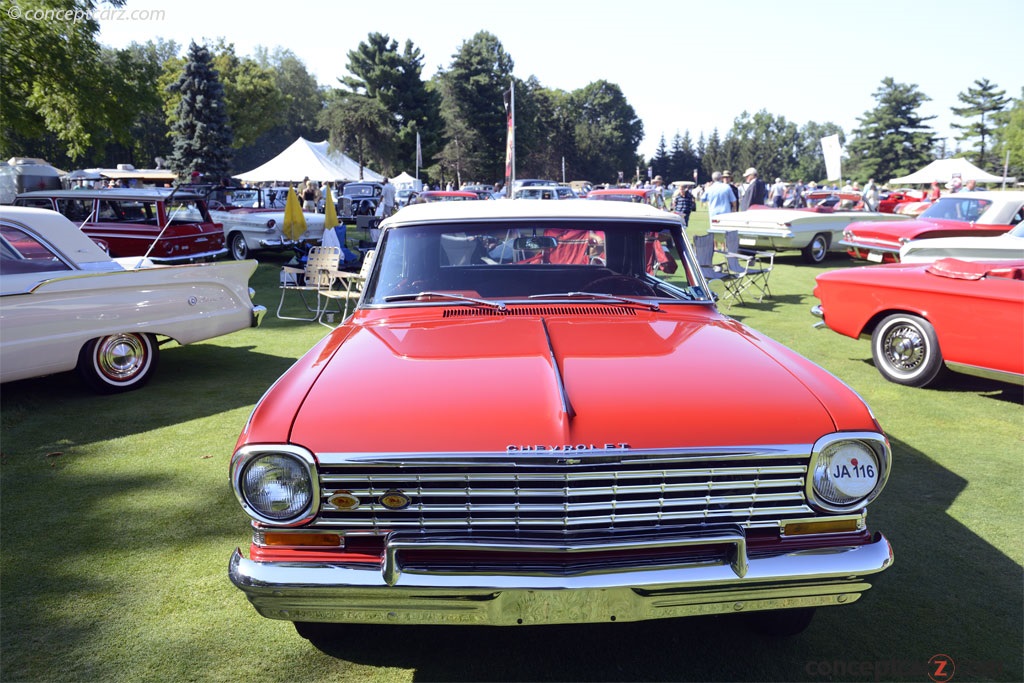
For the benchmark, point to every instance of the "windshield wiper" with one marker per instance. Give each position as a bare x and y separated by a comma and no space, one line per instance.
500,305
653,305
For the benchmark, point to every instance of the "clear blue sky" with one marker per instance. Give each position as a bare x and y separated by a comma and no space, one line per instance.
682,65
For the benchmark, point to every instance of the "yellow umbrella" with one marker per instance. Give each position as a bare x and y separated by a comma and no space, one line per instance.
330,215
294,220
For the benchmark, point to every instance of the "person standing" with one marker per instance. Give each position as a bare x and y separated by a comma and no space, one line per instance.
719,196
683,204
756,192
309,192
658,193
387,199
727,179
870,195
778,193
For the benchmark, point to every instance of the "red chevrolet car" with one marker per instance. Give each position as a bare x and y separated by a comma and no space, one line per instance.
966,316
165,225
962,214
544,437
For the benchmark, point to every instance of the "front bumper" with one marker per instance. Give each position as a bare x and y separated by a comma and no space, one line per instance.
397,594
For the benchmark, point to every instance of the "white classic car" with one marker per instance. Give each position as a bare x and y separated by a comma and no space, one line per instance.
65,304
253,220
814,231
1008,246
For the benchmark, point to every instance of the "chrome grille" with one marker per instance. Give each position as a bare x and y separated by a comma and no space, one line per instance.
618,493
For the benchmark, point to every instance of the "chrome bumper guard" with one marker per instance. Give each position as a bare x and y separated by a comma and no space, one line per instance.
400,594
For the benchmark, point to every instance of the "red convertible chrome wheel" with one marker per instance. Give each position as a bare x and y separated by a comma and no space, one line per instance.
120,362
906,350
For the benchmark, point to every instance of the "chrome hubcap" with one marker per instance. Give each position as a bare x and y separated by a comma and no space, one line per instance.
121,357
904,348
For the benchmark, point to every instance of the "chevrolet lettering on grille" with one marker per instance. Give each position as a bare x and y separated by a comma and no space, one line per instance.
567,448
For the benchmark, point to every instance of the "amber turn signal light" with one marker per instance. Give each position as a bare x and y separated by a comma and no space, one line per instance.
271,538
825,526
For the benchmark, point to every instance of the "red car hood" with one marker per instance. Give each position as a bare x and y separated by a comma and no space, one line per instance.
657,381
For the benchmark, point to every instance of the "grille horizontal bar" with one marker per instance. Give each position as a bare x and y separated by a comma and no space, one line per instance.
750,490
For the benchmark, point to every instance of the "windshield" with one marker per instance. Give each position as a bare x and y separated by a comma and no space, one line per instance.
966,209
521,260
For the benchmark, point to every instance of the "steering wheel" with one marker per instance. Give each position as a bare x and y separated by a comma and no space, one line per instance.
619,284
216,206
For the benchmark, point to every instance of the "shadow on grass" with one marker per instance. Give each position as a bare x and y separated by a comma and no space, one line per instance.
949,592
190,382
958,383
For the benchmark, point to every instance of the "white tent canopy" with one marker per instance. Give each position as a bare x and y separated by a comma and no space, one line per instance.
405,180
305,159
943,171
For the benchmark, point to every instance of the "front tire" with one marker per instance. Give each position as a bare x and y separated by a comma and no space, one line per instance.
906,350
817,250
117,363
239,247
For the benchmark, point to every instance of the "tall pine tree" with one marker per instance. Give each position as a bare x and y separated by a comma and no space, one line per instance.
893,138
983,102
201,133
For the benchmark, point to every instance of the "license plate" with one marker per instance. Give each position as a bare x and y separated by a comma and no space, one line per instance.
746,241
874,257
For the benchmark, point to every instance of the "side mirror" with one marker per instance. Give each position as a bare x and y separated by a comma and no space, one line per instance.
535,243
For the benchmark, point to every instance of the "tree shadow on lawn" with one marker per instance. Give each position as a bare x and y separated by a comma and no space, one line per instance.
190,382
949,592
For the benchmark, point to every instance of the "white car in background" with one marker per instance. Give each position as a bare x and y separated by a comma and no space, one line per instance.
1009,245
814,231
65,304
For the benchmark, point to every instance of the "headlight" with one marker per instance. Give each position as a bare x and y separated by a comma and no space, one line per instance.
276,486
847,471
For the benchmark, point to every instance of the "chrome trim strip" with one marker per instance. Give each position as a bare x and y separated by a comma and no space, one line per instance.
358,593
986,373
869,247
552,458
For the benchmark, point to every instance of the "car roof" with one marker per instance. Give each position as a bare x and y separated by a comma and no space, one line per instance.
151,193
526,209
58,231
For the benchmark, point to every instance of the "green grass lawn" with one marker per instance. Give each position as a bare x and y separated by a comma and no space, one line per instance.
117,521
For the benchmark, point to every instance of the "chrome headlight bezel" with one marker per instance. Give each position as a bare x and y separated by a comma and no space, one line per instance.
247,456
874,445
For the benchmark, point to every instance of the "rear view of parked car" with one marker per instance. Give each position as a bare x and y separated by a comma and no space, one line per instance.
67,305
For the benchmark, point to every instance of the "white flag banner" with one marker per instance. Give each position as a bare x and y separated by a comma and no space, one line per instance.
832,151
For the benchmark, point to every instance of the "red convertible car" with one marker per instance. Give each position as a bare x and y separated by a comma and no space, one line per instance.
507,463
967,316
965,214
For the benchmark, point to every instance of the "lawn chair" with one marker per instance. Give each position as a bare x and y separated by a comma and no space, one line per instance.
747,266
354,284
704,249
318,275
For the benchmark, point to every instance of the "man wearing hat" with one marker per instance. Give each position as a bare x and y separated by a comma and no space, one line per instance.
727,179
756,192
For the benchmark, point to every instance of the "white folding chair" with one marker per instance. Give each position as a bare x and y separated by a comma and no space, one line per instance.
353,282
318,275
